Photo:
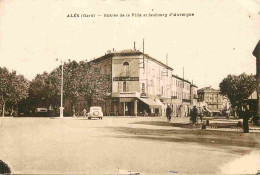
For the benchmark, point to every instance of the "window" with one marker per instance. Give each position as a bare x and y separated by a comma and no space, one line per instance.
143,88
126,68
124,86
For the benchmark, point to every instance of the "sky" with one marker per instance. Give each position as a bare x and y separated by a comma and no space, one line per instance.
218,40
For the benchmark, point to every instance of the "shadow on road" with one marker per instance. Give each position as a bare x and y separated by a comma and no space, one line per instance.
204,137
186,125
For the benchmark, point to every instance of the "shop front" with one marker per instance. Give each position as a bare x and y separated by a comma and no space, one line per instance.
149,107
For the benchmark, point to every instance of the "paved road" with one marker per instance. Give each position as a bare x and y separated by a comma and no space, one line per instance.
146,145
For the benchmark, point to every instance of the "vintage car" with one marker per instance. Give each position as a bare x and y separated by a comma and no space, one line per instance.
41,112
95,112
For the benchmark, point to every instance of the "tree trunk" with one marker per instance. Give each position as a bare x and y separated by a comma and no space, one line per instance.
12,111
3,111
245,124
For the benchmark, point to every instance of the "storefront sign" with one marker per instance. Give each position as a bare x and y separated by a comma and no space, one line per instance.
126,79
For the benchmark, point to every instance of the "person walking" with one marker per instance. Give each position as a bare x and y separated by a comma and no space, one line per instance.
194,114
246,116
168,113
84,112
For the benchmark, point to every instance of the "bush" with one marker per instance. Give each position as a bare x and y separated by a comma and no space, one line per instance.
4,168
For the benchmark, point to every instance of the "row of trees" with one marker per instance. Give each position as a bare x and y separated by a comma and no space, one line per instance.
80,79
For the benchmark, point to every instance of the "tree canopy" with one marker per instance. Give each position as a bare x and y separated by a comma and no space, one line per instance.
238,88
13,88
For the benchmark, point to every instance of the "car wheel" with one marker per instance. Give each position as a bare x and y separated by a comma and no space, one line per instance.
89,118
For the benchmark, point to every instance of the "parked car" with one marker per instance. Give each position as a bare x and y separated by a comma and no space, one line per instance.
95,112
41,112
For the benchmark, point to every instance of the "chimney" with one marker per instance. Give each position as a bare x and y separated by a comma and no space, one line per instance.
134,45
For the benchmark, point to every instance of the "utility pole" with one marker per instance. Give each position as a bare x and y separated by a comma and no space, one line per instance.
167,63
183,72
61,90
61,93
143,56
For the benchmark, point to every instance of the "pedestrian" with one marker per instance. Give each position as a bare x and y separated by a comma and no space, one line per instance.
168,113
246,116
74,112
228,114
84,112
194,114
202,114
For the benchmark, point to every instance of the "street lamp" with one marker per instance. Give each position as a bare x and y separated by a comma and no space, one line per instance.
61,91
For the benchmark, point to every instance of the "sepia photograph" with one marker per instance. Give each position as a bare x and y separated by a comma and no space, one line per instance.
130,87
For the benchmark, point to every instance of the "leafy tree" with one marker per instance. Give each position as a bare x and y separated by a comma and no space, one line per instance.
13,88
92,84
237,89
38,91
19,87
70,84
54,85
4,87
71,81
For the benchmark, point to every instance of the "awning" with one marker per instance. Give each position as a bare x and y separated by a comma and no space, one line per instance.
208,110
151,102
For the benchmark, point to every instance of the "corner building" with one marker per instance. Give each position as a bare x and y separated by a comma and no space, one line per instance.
141,85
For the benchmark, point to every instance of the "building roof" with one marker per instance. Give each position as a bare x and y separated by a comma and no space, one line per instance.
176,76
194,85
208,89
129,52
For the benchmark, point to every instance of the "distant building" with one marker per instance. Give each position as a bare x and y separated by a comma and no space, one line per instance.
226,105
212,98
194,95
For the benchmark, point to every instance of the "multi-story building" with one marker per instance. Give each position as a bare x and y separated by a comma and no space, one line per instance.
140,84
194,95
181,96
212,98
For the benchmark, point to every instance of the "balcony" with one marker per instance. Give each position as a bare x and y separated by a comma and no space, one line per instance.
125,94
